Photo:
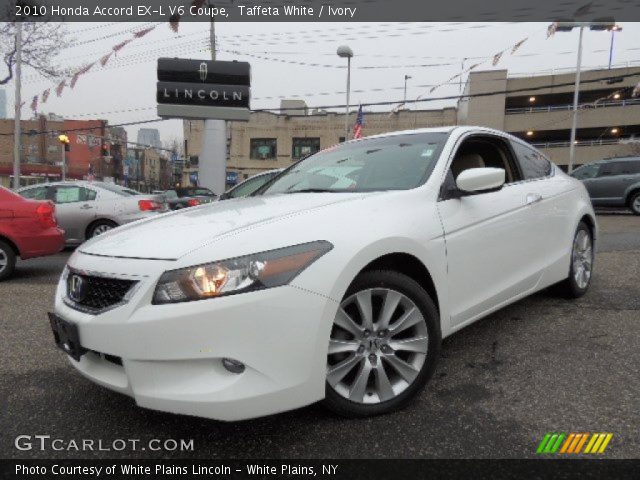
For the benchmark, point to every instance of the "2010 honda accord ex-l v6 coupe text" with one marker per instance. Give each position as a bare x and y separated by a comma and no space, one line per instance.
337,280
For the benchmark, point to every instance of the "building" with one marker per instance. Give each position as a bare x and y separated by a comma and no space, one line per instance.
3,103
117,148
538,109
149,137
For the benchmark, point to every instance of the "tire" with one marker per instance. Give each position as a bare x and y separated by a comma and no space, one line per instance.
99,227
7,260
573,287
360,390
634,203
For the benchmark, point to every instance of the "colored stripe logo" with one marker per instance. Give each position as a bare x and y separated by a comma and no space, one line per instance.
574,443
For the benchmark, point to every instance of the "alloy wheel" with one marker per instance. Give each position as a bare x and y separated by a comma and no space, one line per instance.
582,258
100,229
378,346
636,204
4,261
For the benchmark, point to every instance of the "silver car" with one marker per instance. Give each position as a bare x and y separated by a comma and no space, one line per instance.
86,209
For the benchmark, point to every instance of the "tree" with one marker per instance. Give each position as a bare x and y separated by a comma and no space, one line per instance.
41,43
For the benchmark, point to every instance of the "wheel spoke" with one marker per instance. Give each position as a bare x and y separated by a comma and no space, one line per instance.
359,387
363,299
345,321
339,371
414,344
391,301
408,319
383,385
405,370
341,346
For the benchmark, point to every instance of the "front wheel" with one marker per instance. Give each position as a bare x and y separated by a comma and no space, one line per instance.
100,227
634,203
581,269
7,260
384,344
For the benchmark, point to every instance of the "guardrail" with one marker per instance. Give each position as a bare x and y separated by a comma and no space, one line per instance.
581,143
584,106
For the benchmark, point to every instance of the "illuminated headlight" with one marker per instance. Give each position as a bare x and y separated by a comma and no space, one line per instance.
238,275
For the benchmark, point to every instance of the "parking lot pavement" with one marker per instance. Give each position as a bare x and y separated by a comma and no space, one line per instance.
543,364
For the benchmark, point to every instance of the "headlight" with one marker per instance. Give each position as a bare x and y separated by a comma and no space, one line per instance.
237,275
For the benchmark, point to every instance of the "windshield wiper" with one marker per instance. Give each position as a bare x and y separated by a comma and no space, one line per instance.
310,190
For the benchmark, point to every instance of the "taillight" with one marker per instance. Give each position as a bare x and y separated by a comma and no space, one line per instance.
193,202
149,205
45,213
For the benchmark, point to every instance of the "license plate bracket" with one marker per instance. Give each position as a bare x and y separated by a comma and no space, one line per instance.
66,336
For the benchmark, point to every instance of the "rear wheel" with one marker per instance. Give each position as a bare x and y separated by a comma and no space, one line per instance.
100,227
581,269
634,203
7,260
383,347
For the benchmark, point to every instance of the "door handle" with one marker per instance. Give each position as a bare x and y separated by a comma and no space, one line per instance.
86,206
533,198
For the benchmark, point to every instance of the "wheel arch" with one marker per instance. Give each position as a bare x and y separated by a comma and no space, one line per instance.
97,220
631,191
11,244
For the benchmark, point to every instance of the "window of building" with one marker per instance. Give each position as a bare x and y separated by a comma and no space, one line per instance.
533,163
341,139
304,146
263,149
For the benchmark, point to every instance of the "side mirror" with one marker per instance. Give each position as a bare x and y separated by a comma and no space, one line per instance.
480,180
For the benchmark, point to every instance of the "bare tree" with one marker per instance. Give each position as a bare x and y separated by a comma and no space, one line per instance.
41,43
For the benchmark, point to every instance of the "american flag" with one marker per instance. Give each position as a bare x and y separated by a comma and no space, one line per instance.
357,129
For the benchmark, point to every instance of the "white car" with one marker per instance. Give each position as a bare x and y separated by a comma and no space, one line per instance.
311,292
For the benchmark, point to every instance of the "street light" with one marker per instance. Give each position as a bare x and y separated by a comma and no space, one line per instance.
406,77
614,29
64,141
598,25
345,52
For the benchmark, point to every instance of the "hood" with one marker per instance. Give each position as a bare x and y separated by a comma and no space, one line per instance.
170,236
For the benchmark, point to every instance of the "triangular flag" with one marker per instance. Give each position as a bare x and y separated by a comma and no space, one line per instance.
105,59
496,58
45,95
121,45
583,10
433,89
142,33
174,22
473,66
551,29
60,87
454,77
636,91
518,45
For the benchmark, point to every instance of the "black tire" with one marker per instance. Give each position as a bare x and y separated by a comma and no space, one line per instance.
411,289
8,257
634,203
96,227
569,287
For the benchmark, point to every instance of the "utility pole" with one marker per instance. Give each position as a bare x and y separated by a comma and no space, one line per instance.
576,94
18,108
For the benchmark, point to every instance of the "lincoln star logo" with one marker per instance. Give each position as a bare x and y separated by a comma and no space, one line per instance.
203,71
77,290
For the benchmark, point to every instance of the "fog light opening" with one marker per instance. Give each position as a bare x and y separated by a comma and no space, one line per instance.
233,366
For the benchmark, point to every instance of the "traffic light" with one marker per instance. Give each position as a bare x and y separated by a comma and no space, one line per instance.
63,139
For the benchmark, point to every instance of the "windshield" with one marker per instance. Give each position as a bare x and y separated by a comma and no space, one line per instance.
398,162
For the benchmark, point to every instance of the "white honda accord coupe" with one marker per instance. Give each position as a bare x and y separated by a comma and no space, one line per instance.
336,281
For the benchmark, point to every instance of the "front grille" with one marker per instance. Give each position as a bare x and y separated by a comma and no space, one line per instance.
94,294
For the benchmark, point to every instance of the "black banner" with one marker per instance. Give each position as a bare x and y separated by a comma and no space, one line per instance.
204,71
174,93
323,469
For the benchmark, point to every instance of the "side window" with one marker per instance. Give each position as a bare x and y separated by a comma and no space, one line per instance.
37,193
479,152
68,194
532,163
89,194
587,171
248,187
610,169
634,166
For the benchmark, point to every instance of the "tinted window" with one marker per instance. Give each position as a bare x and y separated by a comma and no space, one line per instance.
38,193
532,163
249,186
397,162
613,168
89,194
586,171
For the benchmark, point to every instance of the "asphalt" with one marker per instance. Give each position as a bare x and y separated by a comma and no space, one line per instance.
542,365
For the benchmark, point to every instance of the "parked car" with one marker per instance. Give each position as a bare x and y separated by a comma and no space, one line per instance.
28,229
177,203
250,185
87,209
204,195
614,182
337,282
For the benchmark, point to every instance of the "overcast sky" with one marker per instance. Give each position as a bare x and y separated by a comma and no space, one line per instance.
124,90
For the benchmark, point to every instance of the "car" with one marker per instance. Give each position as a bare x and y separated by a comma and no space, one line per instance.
250,185
87,209
204,195
28,229
613,182
309,292
176,203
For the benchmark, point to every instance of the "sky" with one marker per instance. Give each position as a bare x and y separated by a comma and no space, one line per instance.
298,60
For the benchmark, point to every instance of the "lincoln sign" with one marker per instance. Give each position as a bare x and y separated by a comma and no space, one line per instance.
203,89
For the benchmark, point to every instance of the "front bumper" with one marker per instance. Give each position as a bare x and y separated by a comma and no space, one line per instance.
171,355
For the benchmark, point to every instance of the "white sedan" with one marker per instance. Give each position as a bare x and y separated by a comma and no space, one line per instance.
335,282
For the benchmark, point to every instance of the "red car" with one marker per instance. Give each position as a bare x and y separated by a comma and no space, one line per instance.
28,229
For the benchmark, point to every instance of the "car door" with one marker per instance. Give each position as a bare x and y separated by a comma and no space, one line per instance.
608,188
75,210
488,236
